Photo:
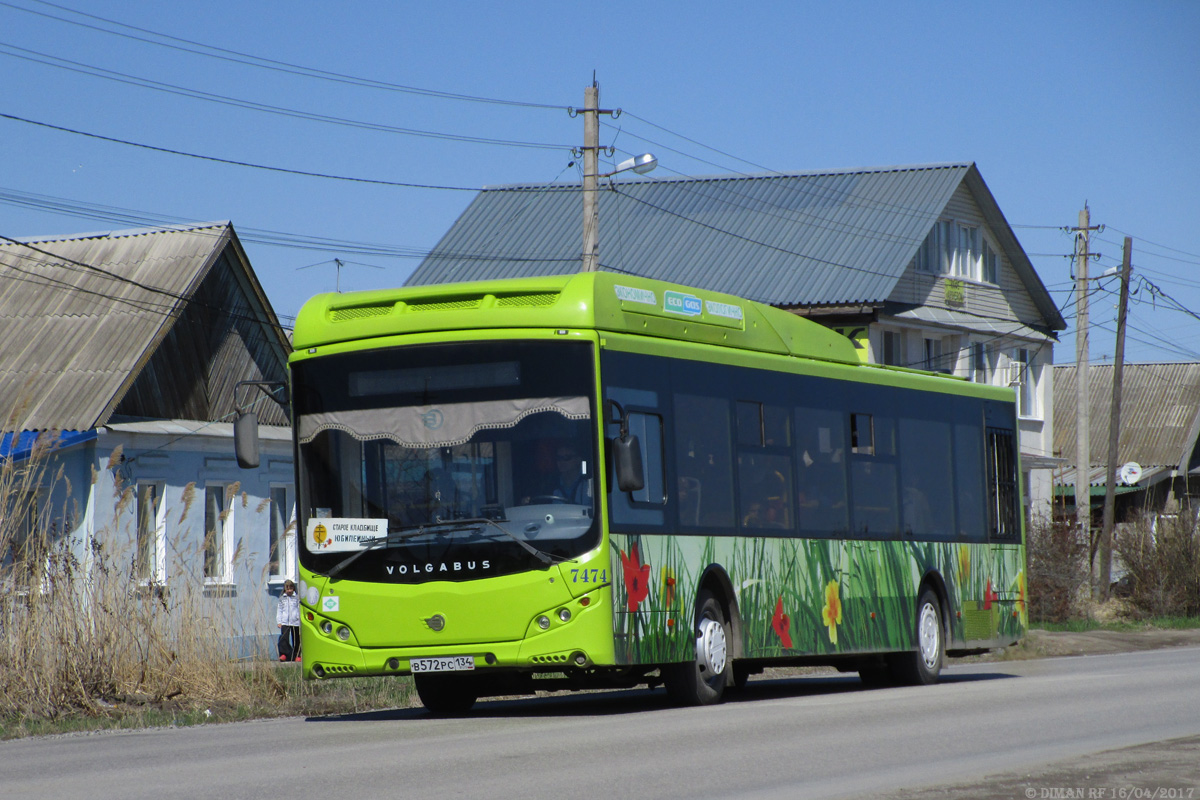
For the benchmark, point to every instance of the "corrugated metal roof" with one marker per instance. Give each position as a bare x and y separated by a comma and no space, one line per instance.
1160,417
828,238
80,315
970,322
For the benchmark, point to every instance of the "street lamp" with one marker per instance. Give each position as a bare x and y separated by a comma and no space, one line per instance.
591,156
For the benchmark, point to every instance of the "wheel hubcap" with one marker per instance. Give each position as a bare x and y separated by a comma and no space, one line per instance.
710,646
929,634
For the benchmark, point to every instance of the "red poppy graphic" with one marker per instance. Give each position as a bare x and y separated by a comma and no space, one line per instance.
989,596
781,622
637,578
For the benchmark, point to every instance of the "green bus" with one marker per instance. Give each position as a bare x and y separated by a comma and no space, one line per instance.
600,480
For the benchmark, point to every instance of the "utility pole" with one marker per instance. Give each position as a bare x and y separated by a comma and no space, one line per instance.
591,173
1083,499
591,160
1114,431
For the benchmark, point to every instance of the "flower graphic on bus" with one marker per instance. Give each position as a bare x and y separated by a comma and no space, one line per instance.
989,596
781,622
831,614
964,564
637,578
1021,598
668,588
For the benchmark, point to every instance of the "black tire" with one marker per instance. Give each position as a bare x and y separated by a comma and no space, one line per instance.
923,666
446,695
702,681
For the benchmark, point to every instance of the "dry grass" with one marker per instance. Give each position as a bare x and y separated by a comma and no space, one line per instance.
1162,565
85,643
1058,571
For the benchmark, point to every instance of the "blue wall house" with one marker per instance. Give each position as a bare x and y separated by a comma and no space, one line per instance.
117,371
916,264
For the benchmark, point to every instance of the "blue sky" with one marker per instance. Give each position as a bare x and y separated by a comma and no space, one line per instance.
1057,102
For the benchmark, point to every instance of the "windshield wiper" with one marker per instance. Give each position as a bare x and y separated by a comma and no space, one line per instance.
375,544
540,555
450,526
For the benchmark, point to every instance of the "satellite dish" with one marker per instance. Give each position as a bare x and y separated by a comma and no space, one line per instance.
1130,473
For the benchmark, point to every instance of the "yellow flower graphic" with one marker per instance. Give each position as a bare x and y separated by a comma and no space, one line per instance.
964,564
832,612
1021,609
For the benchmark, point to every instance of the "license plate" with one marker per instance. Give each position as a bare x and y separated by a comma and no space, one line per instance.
442,664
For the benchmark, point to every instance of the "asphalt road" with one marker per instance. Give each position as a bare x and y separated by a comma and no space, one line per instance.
1113,726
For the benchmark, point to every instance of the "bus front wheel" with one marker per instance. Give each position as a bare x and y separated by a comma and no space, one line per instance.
923,665
445,694
702,681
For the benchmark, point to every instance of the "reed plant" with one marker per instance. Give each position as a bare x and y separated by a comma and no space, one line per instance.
86,640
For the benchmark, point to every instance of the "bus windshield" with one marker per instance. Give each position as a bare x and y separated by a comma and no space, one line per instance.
446,462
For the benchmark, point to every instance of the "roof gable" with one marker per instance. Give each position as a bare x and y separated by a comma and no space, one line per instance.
83,316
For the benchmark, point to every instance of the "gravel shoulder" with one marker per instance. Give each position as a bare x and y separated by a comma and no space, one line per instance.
1047,644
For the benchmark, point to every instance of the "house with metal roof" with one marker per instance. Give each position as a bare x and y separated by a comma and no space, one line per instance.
916,264
121,353
1159,432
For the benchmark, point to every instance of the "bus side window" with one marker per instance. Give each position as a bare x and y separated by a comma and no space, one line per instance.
704,461
645,507
648,428
821,442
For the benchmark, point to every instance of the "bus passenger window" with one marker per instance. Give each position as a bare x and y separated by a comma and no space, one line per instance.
821,446
862,437
765,491
704,461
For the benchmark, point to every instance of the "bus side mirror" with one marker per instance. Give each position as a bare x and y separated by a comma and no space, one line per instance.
627,458
245,440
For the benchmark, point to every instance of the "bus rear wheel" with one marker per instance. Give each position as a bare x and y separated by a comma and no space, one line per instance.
923,666
701,681
446,694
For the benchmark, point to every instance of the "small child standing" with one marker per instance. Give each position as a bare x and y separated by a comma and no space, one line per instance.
287,619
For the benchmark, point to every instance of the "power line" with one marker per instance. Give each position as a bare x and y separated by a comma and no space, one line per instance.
247,59
1155,244
272,238
233,162
197,94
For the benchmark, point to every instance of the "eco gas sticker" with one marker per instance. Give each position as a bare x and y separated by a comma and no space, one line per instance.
330,604
679,303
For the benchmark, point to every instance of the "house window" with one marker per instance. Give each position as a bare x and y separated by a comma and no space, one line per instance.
150,563
218,534
991,263
933,354
983,362
29,535
936,253
958,249
282,542
1026,379
965,258
893,348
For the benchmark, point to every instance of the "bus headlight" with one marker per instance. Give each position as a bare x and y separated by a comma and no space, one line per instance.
564,614
326,627
343,633
543,622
